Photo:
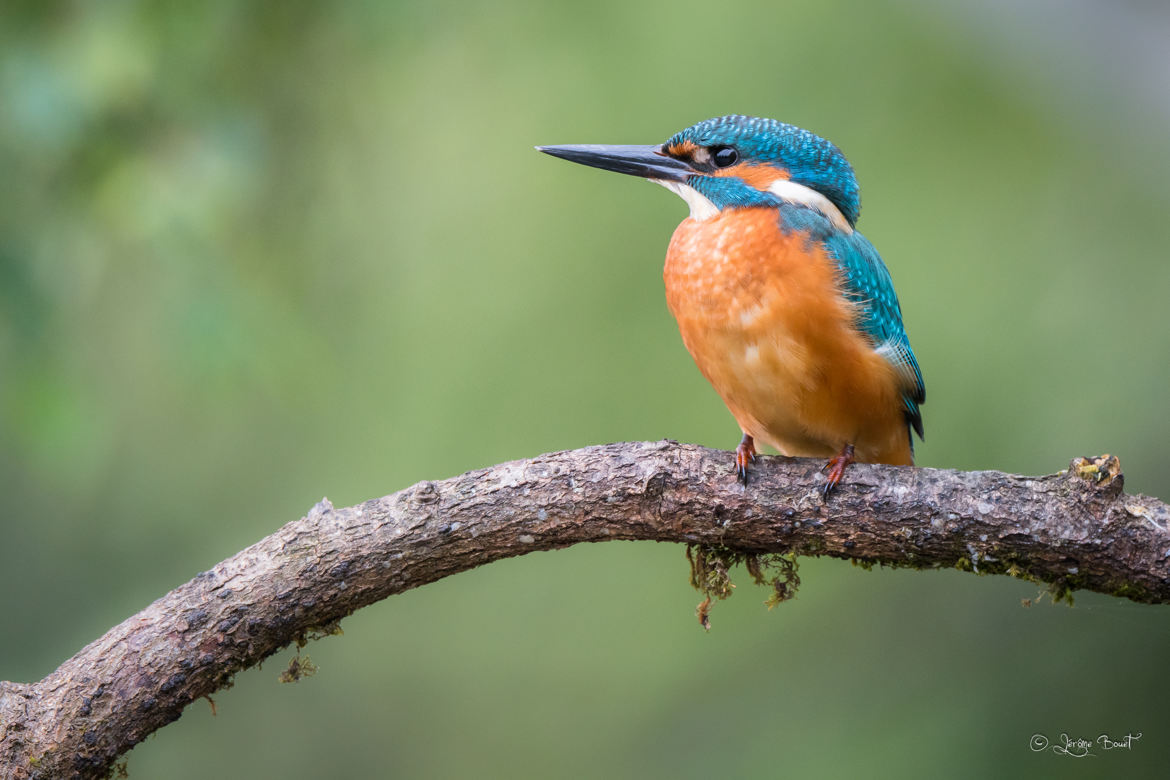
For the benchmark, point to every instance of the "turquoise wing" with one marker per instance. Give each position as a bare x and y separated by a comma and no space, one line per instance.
867,282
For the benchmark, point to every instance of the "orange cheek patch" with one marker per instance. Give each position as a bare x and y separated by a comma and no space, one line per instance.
681,149
760,176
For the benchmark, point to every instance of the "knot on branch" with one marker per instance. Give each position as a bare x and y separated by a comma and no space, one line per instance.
1101,473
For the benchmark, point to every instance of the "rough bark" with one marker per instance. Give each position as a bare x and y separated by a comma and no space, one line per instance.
1075,529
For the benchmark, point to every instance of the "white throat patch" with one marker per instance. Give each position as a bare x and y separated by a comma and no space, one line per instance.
788,190
701,207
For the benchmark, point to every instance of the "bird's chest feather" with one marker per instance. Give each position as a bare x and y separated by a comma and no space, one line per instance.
737,283
762,313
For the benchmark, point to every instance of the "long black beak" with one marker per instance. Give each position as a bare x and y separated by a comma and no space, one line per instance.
649,162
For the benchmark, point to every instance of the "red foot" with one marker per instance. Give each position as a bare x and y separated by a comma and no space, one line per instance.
745,453
836,468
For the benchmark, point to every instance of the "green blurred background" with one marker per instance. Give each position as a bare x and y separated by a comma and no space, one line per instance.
254,254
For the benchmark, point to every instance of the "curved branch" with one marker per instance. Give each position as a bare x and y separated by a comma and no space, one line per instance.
1075,529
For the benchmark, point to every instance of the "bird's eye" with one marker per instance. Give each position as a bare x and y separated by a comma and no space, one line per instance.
724,156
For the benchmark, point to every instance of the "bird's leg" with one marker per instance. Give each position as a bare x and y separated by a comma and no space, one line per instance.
745,453
836,468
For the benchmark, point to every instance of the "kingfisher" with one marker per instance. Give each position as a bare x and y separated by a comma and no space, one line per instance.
788,311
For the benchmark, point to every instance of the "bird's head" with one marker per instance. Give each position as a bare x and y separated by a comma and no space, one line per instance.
737,162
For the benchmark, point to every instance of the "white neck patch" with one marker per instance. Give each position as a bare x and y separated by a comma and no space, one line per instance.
701,206
788,190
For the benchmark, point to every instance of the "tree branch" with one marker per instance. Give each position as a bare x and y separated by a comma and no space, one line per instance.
1075,529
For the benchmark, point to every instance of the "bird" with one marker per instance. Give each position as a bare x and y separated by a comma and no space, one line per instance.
787,310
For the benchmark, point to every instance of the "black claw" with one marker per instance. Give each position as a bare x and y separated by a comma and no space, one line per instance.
746,446
836,468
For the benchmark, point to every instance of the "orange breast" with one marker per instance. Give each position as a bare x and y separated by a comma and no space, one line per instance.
763,316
